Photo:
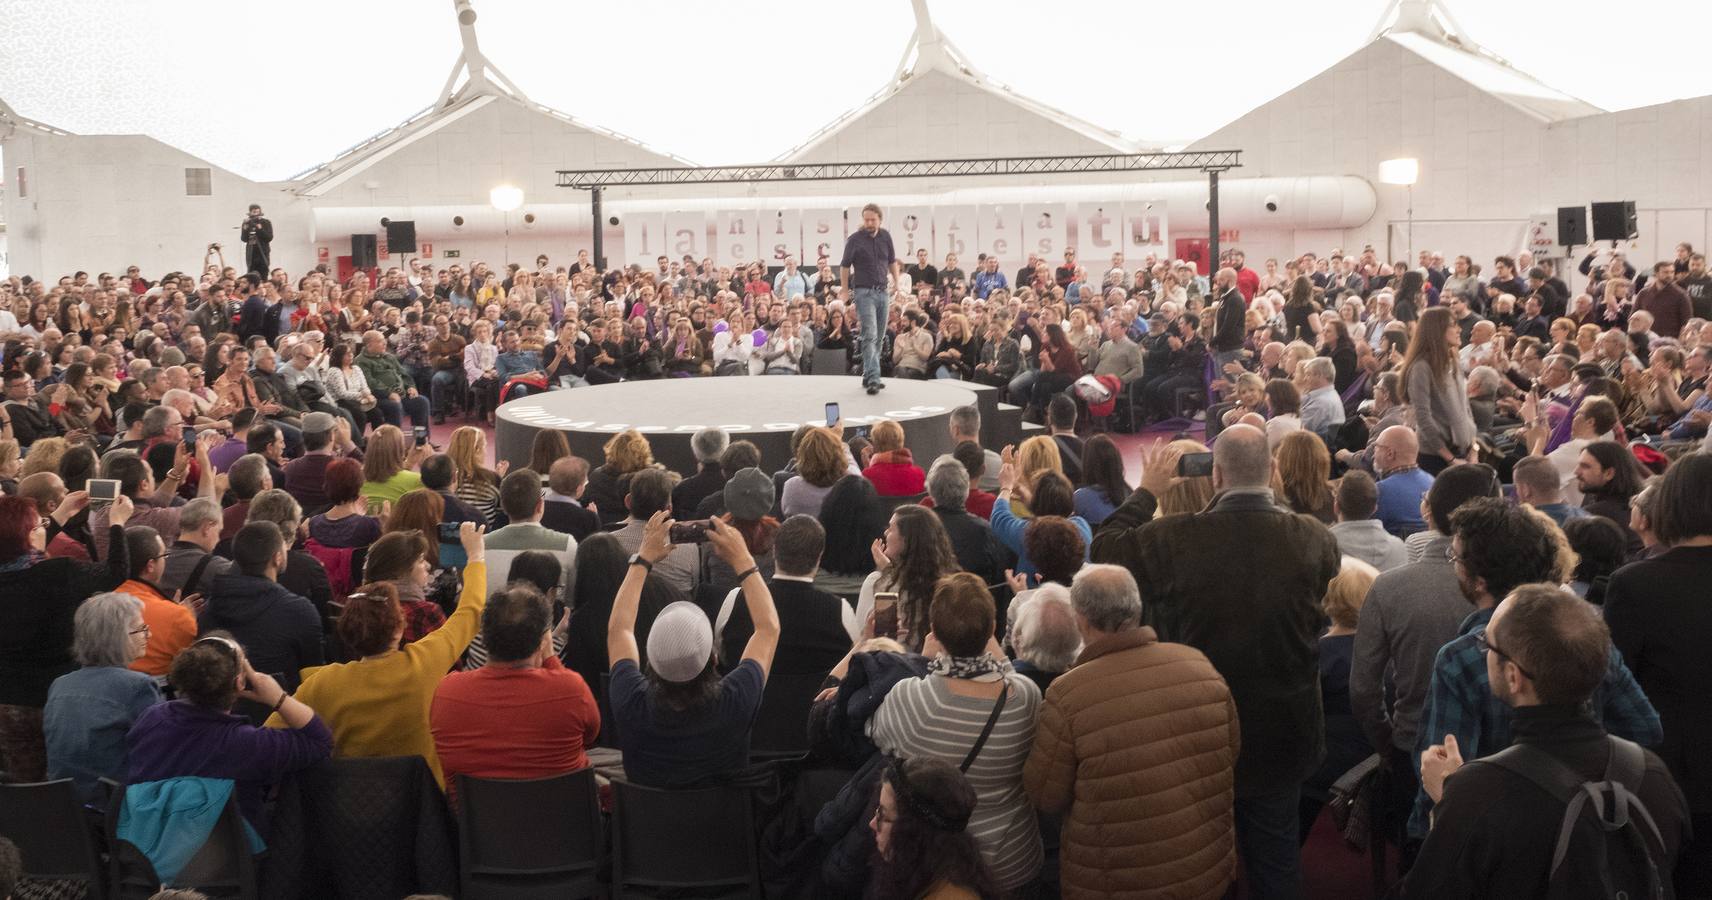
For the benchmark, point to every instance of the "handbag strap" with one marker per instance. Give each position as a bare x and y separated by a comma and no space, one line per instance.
987,729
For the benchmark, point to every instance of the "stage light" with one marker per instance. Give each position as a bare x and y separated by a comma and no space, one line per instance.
506,198
1404,171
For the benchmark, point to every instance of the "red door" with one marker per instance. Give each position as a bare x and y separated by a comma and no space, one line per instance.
1193,250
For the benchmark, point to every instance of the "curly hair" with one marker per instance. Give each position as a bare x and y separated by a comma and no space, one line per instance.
371,620
930,842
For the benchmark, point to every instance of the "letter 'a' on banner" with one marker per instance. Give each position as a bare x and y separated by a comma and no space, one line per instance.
736,237
686,235
1044,230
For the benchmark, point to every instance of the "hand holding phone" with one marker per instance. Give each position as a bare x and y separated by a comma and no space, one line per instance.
886,614
102,491
1195,465
833,416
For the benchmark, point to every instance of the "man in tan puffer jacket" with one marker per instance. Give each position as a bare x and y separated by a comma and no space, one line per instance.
1138,744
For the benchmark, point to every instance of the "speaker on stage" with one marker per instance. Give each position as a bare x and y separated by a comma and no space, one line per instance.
365,251
1615,221
401,237
1571,225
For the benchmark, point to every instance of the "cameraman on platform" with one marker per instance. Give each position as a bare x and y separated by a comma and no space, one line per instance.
257,234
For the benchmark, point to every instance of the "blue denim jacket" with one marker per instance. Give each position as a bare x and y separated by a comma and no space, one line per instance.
87,716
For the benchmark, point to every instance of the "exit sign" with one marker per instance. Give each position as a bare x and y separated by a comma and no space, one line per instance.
451,254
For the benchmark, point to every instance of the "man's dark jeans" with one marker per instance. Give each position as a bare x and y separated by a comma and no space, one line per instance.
1266,826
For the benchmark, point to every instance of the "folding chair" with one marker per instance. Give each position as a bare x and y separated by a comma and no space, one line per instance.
223,867
46,820
530,840
678,840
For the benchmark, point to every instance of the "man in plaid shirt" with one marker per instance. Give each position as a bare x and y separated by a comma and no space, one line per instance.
1496,548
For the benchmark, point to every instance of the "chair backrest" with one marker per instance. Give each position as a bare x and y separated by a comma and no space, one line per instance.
702,838
338,563
222,867
608,722
892,504
543,833
46,821
364,815
781,724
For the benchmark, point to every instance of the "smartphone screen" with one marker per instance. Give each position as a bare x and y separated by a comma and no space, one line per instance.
189,436
103,490
1195,465
886,614
832,414
421,435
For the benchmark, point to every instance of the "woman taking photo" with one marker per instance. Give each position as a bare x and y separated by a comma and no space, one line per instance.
473,482
821,461
909,559
401,559
968,680
922,845
389,470
37,623
90,711
685,357
1433,386
377,704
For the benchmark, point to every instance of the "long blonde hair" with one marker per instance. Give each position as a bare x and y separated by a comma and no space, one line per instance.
466,450
384,455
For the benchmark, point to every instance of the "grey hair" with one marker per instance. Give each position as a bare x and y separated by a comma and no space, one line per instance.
708,443
1320,367
948,484
1043,631
103,629
966,420
280,508
198,513
155,420
1107,597
246,474
1484,378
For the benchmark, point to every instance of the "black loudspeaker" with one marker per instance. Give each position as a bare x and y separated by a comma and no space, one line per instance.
1571,226
401,237
1615,221
364,251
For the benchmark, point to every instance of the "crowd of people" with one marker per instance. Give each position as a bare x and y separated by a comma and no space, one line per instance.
1474,513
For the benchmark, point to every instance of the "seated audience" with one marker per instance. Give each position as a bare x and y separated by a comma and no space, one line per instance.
909,559
706,444
1042,634
892,470
853,519
404,560
279,631
191,561
389,466
377,704
1103,481
626,454
679,723
1358,533
816,629
171,625
196,734
1051,496
344,524
562,508
821,459
972,539
649,492
89,711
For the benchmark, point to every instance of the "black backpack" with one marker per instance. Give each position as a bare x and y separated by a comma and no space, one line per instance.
1616,843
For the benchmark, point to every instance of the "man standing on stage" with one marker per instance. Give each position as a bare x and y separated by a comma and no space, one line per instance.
868,256
257,234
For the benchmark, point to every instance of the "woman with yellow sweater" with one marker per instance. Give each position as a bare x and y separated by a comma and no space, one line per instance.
378,704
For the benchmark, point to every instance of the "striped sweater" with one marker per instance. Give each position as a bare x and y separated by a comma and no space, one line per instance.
922,718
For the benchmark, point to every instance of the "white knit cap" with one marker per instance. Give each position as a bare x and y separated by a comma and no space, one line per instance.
680,643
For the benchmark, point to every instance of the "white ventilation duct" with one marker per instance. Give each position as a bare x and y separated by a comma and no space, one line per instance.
1309,202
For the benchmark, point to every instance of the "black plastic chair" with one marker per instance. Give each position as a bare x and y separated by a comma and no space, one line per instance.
523,840
781,724
223,867
608,723
46,820
891,504
701,839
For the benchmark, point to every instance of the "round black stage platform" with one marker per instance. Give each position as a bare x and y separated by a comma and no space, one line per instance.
762,409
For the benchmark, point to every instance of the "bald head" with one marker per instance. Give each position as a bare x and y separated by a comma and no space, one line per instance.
1401,440
1226,277
1241,459
45,489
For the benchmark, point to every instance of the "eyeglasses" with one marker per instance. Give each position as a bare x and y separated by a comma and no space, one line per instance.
143,630
1486,646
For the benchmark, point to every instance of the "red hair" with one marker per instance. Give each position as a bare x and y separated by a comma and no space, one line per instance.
343,480
371,619
18,517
